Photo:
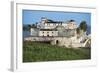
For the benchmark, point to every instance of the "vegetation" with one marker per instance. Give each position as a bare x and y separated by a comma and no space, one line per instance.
72,21
78,30
27,27
36,52
82,27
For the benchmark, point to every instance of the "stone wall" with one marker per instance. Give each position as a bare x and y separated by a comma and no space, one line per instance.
61,41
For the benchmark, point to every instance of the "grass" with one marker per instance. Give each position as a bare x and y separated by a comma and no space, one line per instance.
36,52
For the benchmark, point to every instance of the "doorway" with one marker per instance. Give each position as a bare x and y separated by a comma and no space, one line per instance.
57,42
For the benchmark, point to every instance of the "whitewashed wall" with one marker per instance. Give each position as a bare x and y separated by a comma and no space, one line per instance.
46,33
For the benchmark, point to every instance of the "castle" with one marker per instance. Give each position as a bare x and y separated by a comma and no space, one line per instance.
54,28
58,33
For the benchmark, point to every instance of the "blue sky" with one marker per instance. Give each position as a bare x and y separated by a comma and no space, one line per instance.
32,16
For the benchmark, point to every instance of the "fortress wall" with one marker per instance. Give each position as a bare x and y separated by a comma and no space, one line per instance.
60,41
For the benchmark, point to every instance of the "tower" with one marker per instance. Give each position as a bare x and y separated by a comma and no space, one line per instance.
43,20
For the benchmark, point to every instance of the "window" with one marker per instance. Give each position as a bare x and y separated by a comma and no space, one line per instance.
52,33
43,33
48,35
47,32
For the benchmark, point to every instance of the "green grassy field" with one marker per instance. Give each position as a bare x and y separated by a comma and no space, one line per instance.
36,52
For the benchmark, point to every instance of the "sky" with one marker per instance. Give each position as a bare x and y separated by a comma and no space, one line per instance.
33,16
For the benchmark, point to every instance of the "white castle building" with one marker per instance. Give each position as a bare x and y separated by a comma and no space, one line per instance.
57,32
54,28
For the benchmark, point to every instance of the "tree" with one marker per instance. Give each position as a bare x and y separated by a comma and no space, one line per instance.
25,27
78,30
34,25
29,27
72,21
83,26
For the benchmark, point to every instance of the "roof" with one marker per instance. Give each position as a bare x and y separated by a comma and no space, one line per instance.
52,21
72,21
48,30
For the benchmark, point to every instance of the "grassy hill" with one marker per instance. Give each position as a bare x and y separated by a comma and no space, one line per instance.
36,52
